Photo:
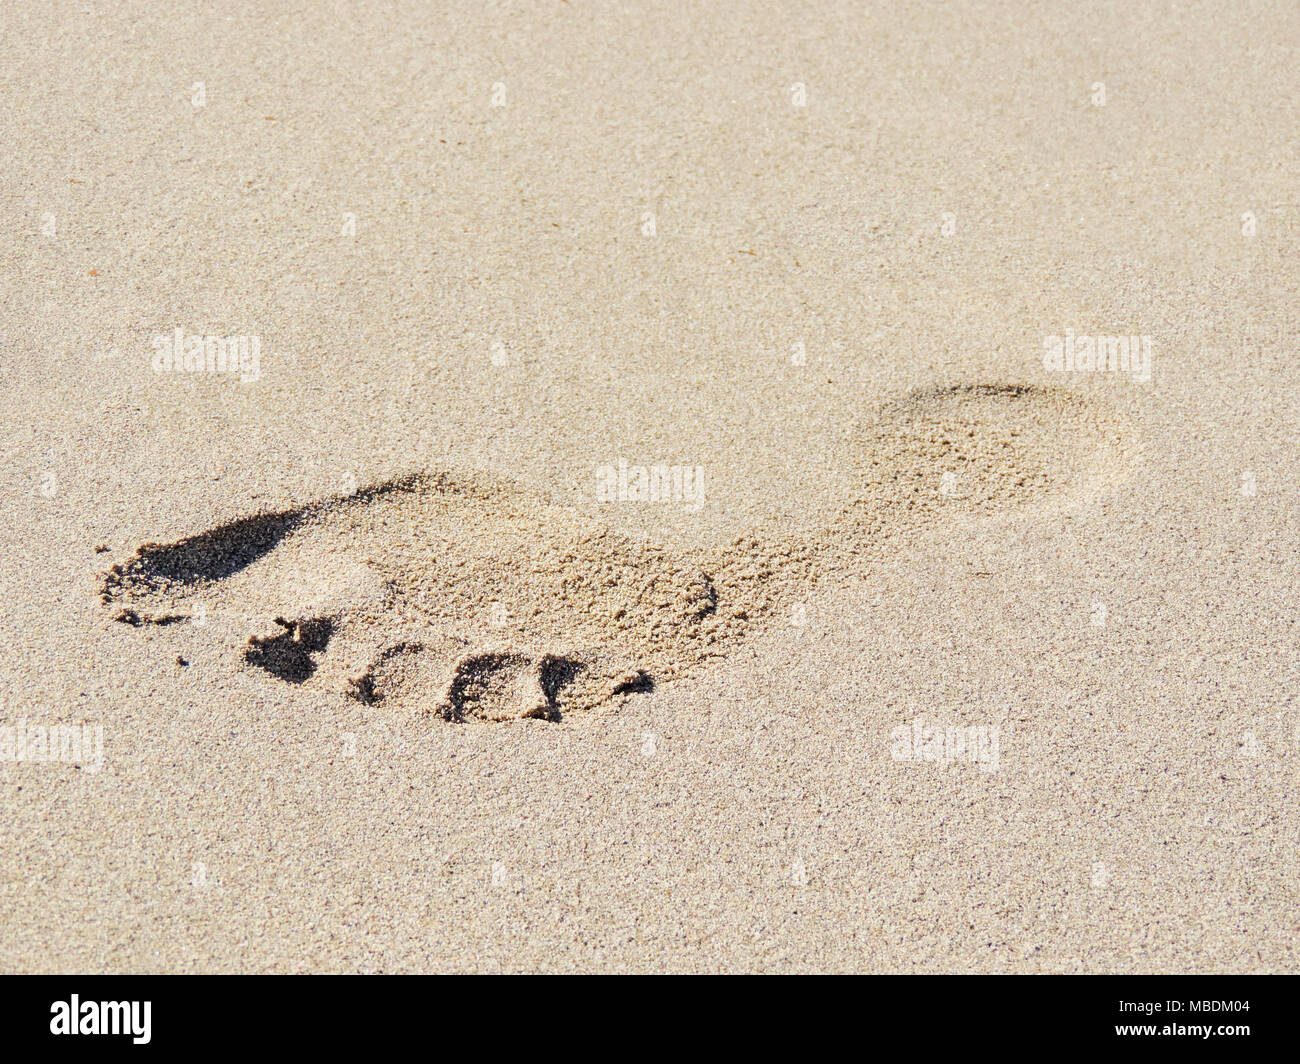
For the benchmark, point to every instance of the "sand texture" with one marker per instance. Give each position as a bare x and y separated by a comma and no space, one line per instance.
647,487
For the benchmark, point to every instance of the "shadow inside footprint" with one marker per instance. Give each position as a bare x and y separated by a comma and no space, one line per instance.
555,674
288,655
498,686
638,682
205,558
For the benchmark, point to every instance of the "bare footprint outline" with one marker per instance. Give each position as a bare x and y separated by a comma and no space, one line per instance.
381,594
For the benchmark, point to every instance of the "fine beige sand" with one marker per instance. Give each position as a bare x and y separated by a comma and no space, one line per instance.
648,487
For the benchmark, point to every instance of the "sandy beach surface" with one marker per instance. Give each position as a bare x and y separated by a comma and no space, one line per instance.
649,487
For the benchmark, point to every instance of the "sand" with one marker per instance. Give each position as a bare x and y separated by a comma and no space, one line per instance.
633,489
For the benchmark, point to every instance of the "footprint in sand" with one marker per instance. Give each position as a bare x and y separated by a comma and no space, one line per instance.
467,597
